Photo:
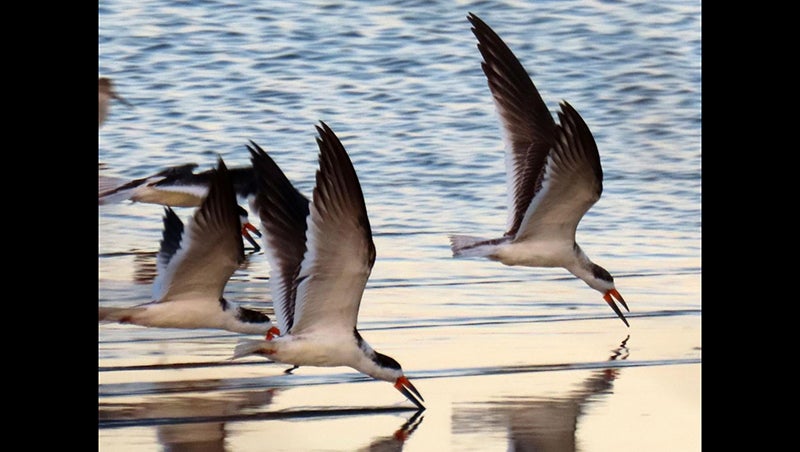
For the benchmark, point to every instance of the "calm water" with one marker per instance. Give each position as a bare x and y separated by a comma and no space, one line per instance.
506,358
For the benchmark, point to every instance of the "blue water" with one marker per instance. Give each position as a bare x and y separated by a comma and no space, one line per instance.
401,85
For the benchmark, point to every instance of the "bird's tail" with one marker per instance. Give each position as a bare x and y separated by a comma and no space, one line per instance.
112,196
247,347
108,187
469,246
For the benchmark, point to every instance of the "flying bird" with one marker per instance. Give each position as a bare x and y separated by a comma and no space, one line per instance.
181,186
554,175
193,265
106,92
320,254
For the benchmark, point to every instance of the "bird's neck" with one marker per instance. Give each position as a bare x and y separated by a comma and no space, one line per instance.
372,363
592,274
368,366
581,265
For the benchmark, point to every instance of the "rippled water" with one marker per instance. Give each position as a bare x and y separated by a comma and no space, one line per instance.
506,358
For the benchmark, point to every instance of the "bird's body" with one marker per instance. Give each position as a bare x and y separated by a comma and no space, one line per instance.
106,92
190,313
320,349
554,174
177,186
193,264
181,186
321,254
544,253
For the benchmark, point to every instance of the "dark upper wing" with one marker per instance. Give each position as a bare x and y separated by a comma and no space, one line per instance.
170,240
528,126
244,181
242,178
210,249
177,172
340,251
282,211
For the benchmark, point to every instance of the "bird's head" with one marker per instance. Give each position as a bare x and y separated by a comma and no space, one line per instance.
247,228
388,369
604,282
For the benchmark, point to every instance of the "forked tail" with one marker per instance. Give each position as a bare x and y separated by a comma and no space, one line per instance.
112,196
469,246
247,347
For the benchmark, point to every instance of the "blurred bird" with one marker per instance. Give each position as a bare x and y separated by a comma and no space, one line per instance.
193,265
180,186
320,255
554,175
106,92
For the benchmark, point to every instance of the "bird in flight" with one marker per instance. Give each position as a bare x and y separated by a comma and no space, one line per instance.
193,265
553,171
320,254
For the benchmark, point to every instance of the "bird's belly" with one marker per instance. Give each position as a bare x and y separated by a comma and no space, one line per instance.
538,254
312,352
178,314
166,197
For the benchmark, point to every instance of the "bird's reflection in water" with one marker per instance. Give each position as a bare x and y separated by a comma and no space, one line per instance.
543,424
177,418
198,437
396,441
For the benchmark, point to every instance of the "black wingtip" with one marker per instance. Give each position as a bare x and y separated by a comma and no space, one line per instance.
222,176
476,21
170,217
254,149
323,130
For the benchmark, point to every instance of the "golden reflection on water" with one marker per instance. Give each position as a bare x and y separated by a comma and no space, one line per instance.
486,388
483,344
191,433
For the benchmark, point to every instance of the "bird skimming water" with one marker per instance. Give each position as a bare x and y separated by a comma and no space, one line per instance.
180,186
320,255
554,175
193,265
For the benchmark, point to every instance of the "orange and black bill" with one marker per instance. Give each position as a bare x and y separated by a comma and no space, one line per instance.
249,227
404,386
609,298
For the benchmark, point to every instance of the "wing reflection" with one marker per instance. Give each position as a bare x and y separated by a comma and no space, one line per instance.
395,442
188,423
544,425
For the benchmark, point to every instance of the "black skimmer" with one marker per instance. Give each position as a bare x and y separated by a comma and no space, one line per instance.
320,255
180,186
193,265
106,92
554,174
